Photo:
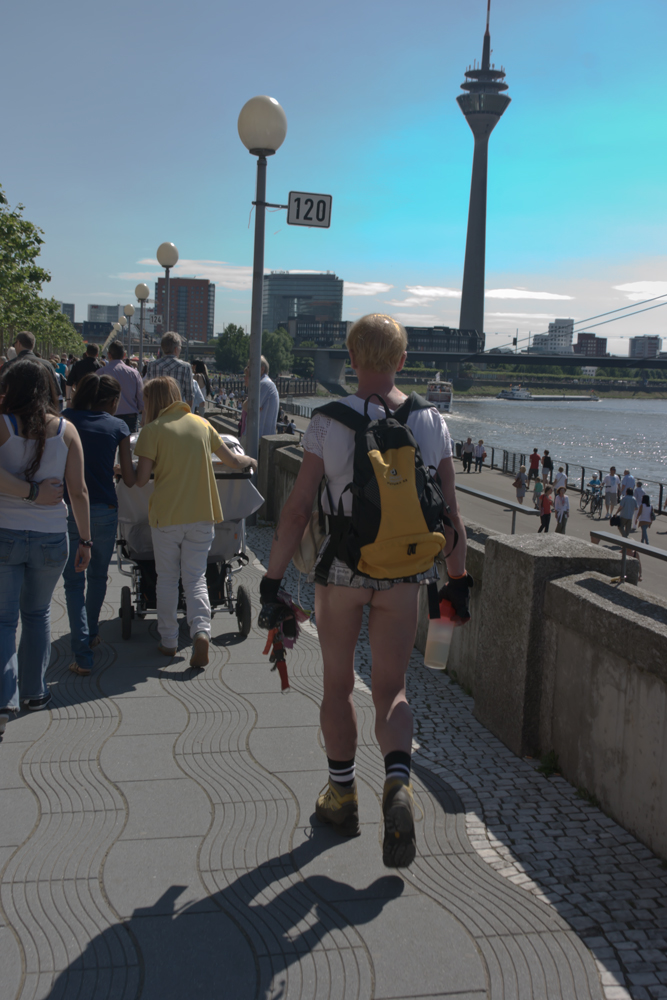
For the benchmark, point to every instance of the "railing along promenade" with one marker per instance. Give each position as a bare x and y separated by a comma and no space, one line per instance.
509,505
627,545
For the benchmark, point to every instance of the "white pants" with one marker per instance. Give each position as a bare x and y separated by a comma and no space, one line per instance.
181,551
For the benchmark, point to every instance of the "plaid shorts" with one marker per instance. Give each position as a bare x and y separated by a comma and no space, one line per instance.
341,575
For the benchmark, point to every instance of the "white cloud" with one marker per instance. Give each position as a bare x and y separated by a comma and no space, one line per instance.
504,315
522,293
419,319
218,271
352,288
638,290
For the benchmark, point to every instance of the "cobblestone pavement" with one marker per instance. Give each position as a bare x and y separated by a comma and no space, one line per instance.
157,840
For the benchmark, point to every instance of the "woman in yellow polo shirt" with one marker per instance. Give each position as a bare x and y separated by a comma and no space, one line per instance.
176,445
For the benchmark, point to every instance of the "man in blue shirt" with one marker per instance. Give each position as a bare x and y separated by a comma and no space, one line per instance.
626,511
269,402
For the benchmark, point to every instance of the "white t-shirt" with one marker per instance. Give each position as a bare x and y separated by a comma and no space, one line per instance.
611,483
560,479
645,513
638,495
334,444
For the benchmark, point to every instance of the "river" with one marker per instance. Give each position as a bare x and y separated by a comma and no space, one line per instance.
628,433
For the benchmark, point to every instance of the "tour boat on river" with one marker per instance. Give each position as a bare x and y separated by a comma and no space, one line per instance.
515,392
441,394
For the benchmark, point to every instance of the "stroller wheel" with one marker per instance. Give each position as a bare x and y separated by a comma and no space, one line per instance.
243,611
126,612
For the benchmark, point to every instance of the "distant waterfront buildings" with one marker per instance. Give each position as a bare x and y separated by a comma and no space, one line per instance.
324,333
191,308
95,331
68,309
444,338
590,346
645,347
297,295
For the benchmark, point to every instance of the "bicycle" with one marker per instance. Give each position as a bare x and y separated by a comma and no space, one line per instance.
596,506
584,499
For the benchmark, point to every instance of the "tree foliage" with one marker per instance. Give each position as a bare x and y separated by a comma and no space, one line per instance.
277,349
232,349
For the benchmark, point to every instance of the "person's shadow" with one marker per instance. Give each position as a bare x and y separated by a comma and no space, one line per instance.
238,943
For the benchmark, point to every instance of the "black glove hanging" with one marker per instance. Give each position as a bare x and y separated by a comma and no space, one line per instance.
457,592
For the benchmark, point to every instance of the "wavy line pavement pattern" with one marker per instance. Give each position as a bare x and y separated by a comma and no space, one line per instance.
160,842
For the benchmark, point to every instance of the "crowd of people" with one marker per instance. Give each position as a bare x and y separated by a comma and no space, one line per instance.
59,505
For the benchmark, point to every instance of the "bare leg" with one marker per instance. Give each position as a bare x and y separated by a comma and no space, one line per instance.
339,613
392,626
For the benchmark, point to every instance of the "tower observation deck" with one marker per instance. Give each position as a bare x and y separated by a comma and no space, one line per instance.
483,105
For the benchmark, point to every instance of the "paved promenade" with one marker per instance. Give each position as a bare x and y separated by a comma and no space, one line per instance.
158,841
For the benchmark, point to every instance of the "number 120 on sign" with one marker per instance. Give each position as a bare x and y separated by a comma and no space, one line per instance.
309,209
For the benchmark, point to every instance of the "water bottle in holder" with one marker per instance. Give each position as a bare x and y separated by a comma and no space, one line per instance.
441,626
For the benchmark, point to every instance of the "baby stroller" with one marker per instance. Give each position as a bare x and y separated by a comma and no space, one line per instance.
134,545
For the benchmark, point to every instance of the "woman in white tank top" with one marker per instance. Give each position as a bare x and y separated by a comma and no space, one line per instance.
39,449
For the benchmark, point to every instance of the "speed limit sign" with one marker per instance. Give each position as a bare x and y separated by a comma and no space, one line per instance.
309,209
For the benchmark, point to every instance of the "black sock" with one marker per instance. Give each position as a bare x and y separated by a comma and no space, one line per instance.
397,764
341,771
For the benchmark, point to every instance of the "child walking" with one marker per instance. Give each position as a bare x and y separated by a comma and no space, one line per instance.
175,445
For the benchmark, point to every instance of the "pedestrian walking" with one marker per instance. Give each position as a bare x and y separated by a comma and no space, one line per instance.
626,510
520,484
24,348
89,363
466,454
377,348
35,445
269,402
627,482
92,412
547,466
202,378
638,494
561,510
175,445
537,493
534,465
170,365
546,503
560,479
646,517
480,455
131,403
612,485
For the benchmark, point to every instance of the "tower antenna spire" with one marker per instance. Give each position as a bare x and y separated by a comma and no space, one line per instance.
488,15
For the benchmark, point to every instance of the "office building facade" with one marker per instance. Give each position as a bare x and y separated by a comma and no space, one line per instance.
324,333
96,332
444,338
68,309
590,346
191,308
104,314
558,340
290,294
645,347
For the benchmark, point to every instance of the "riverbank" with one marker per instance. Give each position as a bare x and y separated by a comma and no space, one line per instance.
491,392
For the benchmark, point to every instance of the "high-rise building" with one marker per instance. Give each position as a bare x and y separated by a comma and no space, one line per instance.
324,333
483,107
444,338
590,346
645,347
68,309
191,308
558,340
295,294
104,314
96,331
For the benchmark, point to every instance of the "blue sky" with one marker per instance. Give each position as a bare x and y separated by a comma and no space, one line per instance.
119,128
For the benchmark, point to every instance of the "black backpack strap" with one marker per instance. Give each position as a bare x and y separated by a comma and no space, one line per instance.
412,403
344,415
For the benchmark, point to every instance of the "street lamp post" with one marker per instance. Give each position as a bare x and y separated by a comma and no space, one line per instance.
129,312
122,323
142,292
262,128
167,257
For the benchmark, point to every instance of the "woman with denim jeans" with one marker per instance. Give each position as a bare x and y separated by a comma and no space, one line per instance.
36,444
92,412
645,517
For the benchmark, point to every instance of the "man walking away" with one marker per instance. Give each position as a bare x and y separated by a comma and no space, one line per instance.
534,465
638,494
627,482
131,386
170,366
466,454
547,466
560,479
626,511
24,348
611,484
269,402
88,363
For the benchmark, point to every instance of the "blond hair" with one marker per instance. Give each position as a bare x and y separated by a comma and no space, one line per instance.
158,394
378,343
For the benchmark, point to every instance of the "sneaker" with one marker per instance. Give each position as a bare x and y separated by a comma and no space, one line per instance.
338,806
35,704
76,668
399,846
199,656
167,650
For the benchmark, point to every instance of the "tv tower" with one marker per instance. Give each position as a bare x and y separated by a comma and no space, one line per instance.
483,106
